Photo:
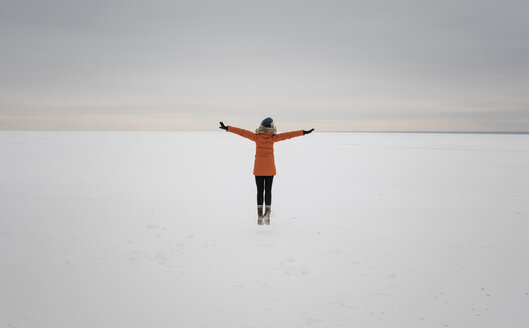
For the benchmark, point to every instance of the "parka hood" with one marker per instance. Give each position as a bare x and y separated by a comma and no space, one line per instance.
264,129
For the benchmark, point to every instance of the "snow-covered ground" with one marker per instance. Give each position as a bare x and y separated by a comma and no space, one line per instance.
158,229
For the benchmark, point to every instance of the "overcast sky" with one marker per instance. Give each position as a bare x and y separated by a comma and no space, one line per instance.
332,65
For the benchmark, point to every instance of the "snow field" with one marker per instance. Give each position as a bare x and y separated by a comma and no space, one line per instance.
129,229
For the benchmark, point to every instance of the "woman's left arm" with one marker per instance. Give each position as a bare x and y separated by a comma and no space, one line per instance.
242,132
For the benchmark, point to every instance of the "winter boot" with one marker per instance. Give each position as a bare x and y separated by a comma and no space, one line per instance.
267,215
260,215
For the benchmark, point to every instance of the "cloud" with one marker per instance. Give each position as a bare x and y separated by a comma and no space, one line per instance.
381,61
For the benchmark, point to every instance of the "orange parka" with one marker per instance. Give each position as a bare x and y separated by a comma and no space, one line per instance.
264,152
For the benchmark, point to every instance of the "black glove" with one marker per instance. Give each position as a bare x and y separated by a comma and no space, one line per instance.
307,132
222,126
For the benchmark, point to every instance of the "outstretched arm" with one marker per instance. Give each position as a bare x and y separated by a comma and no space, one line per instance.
288,135
243,133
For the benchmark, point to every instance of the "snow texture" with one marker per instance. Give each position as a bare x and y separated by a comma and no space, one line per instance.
159,229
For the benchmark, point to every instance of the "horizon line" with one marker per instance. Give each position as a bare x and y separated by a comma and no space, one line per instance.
324,131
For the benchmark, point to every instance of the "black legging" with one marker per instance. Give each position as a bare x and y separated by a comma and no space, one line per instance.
264,184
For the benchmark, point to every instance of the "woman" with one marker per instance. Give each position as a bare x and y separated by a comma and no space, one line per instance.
264,166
